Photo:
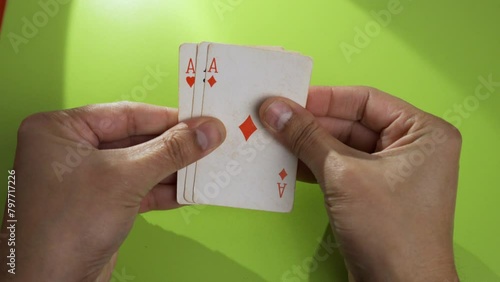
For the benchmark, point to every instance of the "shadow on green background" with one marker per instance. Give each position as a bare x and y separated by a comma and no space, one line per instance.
192,261
188,261
468,263
331,269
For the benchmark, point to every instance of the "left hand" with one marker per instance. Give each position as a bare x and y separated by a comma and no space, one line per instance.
82,176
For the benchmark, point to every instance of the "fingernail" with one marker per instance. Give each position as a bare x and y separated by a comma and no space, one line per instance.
208,135
278,114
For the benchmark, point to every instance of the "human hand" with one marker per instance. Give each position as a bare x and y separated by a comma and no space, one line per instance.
389,175
82,176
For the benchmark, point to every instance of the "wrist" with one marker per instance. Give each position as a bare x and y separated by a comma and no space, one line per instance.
41,260
48,267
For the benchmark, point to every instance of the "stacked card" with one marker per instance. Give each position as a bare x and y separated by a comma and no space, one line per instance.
250,169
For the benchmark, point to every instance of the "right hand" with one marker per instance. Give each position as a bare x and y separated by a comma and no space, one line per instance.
389,175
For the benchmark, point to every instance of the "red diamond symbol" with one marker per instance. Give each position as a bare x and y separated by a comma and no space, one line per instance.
212,81
248,127
283,174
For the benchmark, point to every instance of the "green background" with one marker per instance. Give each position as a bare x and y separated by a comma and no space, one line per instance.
430,54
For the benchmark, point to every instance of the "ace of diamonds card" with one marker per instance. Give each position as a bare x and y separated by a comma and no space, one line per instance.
250,169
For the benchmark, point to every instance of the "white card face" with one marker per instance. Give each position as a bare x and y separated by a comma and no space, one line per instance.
250,169
201,59
187,65
199,86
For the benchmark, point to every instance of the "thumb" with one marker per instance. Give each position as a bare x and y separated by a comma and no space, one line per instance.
176,148
298,130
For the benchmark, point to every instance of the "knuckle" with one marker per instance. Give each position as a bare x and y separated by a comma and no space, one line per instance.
125,104
365,89
370,89
454,133
175,149
451,133
303,137
454,136
31,123
128,116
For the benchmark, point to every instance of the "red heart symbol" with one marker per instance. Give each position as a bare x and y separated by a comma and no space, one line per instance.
190,80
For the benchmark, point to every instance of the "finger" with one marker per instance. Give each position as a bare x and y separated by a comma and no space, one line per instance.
373,108
171,179
304,174
350,277
106,123
126,142
179,146
132,141
161,197
351,133
298,130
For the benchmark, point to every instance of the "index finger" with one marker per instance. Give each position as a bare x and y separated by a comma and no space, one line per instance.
111,122
371,107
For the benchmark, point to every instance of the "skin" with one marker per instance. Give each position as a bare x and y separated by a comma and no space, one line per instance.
391,224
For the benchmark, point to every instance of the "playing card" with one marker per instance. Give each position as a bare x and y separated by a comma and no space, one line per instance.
250,169
193,58
187,78
201,59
